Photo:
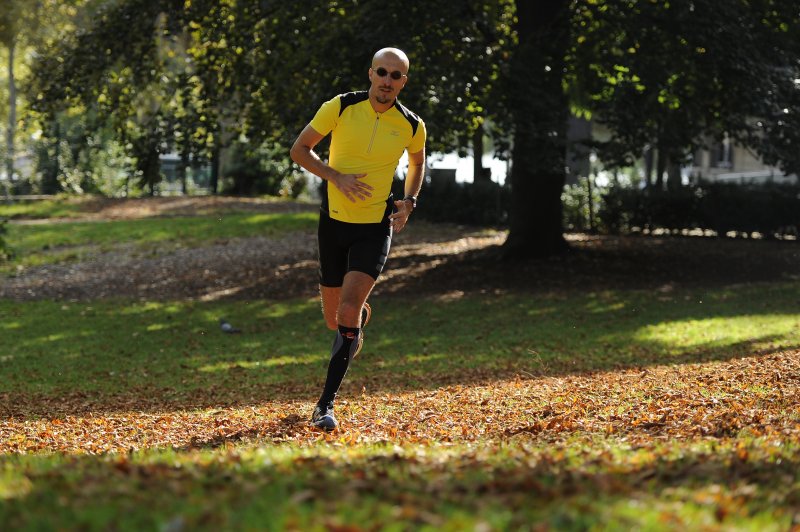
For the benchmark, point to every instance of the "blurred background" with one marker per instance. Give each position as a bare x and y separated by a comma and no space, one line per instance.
590,115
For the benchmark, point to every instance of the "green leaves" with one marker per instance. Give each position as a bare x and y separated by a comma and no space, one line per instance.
670,78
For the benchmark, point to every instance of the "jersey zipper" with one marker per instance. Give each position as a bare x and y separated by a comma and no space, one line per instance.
374,130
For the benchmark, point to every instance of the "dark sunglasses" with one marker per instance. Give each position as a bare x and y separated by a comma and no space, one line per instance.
381,72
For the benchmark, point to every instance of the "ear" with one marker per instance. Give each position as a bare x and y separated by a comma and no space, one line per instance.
369,74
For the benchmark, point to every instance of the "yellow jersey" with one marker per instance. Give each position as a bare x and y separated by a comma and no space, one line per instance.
364,141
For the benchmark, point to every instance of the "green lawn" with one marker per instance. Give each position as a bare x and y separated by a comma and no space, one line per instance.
618,409
38,244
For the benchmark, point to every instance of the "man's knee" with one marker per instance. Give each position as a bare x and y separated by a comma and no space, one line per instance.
349,313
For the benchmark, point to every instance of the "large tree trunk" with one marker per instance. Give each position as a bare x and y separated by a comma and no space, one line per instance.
12,120
674,179
540,125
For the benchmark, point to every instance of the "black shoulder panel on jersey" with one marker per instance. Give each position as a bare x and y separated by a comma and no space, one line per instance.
411,117
351,98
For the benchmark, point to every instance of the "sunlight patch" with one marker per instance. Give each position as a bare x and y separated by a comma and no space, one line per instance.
247,364
14,485
757,331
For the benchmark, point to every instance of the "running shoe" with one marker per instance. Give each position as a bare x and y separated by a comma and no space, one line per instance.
322,418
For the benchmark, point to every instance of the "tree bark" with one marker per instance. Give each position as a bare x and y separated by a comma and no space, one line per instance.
661,167
50,177
674,180
184,164
213,183
12,120
540,110
649,155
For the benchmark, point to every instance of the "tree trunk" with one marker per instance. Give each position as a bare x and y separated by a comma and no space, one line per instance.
50,178
661,167
479,172
540,126
213,183
12,120
648,167
182,169
674,180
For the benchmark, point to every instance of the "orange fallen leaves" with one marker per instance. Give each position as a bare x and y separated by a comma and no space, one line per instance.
758,394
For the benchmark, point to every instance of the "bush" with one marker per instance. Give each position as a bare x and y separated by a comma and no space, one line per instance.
265,169
482,203
575,206
770,209
5,250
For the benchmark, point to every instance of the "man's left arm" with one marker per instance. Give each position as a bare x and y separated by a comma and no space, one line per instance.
413,184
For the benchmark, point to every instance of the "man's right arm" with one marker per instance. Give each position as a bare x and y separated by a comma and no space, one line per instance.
303,153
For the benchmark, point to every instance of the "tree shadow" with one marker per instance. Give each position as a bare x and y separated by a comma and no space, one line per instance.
578,313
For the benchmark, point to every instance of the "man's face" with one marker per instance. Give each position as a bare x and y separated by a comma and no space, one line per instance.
385,88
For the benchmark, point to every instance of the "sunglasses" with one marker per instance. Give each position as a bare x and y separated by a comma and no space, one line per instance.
382,72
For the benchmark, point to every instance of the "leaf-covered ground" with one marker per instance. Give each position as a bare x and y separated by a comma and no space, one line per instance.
637,383
757,395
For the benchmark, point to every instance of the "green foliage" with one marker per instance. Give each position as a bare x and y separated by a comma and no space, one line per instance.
266,170
483,203
667,78
205,73
579,210
770,209
5,249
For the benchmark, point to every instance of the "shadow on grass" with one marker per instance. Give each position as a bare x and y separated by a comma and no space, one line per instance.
514,488
71,358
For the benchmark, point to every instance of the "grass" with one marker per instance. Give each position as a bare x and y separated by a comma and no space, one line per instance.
325,486
39,244
105,346
610,410
50,208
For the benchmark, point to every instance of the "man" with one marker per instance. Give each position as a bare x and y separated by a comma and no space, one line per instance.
370,130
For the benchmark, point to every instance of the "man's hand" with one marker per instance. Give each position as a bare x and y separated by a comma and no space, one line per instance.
351,186
400,218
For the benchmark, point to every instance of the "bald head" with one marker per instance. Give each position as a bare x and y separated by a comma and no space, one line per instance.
393,54
387,76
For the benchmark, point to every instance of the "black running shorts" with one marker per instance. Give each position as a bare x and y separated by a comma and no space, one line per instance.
346,247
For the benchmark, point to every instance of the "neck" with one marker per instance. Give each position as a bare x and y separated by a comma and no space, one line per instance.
378,106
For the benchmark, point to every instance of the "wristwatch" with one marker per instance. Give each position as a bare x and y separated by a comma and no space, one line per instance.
412,199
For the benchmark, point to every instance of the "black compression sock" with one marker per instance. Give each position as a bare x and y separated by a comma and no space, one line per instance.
344,345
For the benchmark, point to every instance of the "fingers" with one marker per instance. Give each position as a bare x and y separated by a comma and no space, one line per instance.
352,188
399,218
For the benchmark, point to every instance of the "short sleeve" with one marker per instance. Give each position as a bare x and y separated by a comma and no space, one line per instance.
418,140
327,116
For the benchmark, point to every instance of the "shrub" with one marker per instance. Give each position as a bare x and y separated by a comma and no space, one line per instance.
575,206
482,203
770,209
5,250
